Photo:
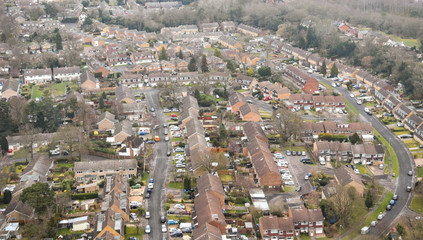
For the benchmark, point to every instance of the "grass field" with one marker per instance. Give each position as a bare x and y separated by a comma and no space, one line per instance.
417,203
380,209
411,143
57,89
362,169
409,42
176,185
420,172
132,232
394,158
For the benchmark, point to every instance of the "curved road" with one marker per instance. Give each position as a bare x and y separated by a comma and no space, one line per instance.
405,160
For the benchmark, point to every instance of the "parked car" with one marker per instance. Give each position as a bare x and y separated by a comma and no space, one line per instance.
162,219
147,229
152,109
410,173
290,183
408,189
147,215
147,195
388,208
303,153
395,197
172,222
288,153
176,234
179,206
168,153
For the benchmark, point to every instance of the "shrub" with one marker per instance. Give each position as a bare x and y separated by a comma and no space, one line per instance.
84,196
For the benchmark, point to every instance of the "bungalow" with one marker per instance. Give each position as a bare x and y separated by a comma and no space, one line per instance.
249,112
229,42
347,178
236,100
106,121
37,76
124,94
272,227
76,224
66,73
20,212
88,81
11,88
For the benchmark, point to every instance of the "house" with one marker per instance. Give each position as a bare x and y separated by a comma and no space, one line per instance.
132,80
401,112
307,221
368,153
197,141
181,64
244,81
194,127
249,30
329,103
153,78
311,131
97,68
418,134
209,211
199,157
98,170
187,116
11,88
272,227
253,130
230,42
41,140
122,131
66,73
412,122
219,77
37,170
124,95
37,76
209,27
106,121
381,95
300,101
134,111
266,170
88,81
109,225
189,103
311,86
347,178
76,224
116,58
209,183
249,112
207,232
256,146
390,103
228,26
236,100
308,83
338,150
131,147
20,212
281,93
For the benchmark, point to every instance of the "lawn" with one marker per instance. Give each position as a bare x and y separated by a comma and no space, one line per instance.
359,210
326,85
370,104
401,132
170,114
295,148
417,203
352,107
66,231
132,232
176,185
67,165
20,168
177,139
412,143
420,172
20,154
265,114
362,169
58,89
242,90
225,177
289,189
409,42
380,209
395,164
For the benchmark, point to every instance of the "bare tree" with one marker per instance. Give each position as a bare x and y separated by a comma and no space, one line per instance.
343,205
71,136
86,115
29,137
17,110
287,124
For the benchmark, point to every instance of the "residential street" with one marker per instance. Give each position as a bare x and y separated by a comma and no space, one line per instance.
405,160
158,170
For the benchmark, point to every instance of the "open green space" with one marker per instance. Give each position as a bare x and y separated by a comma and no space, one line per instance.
362,169
417,203
379,210
394,158
409,42
57,89
225,177
420,172
132,232
176,185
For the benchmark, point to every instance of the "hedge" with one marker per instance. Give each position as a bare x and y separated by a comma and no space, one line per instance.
84,196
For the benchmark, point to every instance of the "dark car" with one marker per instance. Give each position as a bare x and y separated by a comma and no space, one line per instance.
162,219
176,234
168,153
174,118
147,195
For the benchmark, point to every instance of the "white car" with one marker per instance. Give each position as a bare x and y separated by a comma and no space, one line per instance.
352,95
286,177
164,228
290,183
356,171
133,215
179,206
147,229
147,215
180,170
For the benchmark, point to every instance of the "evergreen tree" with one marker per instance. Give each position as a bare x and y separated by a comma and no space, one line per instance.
187,183
163,54
354,138
4,145
265,71
334,71
58,41
197,94
101,102
39,196
217,53
192,66
7,197
180,54
204,67
230,66
323,68
369,200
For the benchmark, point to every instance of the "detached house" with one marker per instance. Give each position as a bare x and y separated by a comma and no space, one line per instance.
124,95
20,212
236,100
11,88
122,131
106,121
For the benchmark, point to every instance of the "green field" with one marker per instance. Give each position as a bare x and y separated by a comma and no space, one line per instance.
394,158
132,232
362,169
176,185
420,172
57,89
417,203
380,209
409,42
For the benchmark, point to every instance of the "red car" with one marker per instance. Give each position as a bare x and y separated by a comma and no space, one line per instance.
173,115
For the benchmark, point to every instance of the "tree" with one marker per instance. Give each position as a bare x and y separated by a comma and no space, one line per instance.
197,94
192,66
7,197
343,205
250,72
180,54
30,135
4,145
401,229
223,135
230,65
217,53
355,138
58,41
265,71
204,67
369,200
17,110
69,135
39,196
101,102
163,54
323,68
334,71
187,183
287,124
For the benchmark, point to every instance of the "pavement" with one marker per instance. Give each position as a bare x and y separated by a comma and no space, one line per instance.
405,160
158,170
